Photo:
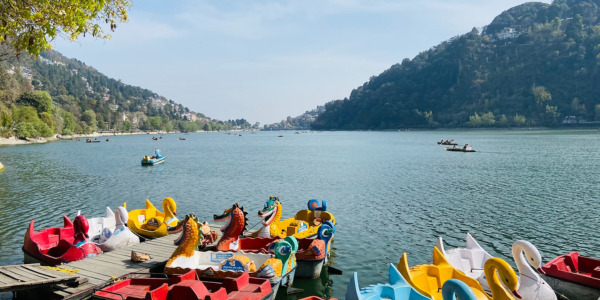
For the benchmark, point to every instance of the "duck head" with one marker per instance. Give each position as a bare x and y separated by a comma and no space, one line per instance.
269,212
498,272
170,209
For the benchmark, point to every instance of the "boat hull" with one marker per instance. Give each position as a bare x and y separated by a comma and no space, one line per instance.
572,290
309,268
458,150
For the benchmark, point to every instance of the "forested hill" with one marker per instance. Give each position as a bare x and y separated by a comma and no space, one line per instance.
57,95
536,64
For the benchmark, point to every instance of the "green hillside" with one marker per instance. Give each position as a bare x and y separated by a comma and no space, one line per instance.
535,65
57,95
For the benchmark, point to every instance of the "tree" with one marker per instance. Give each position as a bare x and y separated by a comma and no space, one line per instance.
89,118
41,100
31,25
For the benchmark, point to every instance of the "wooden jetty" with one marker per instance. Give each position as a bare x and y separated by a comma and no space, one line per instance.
94,273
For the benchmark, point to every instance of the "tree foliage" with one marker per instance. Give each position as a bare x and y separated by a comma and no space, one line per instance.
31,25
534,65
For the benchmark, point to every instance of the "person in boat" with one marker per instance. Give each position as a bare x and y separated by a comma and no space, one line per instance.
467,147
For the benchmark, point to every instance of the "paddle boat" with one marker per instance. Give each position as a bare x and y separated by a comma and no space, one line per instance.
92,141
182,139
1,166
429,279
58,245
471,261
153,160
396,289
311,255
304,224
110,232
574,276
188,286
279,268
152,223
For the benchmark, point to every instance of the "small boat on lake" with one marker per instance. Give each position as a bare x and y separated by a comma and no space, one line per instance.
188,286
575,276
466,148
182,139
111,233
153,160
58,245
92,141
447,142
152,223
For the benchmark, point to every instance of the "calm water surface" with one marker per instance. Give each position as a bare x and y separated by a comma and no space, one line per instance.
391,192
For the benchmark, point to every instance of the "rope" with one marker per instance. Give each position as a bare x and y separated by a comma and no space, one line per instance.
68,271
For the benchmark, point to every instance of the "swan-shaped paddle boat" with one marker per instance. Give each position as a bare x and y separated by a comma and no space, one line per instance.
574,276
60,244
305,224
157,158
471,260
152,223
428,279
279,268
110,232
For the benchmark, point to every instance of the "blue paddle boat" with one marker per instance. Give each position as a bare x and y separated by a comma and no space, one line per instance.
399,289
396,289
153,160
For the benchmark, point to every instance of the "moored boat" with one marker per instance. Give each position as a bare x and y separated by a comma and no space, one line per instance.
157,158
574,276
110,232
188,286
279,268
59,244
312,254
397,289
152,223
304,224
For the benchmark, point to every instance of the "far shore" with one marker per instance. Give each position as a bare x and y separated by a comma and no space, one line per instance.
42,140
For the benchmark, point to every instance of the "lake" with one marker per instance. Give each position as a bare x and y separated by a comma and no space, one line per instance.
391,192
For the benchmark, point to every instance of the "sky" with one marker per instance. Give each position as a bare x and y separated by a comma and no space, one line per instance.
265,60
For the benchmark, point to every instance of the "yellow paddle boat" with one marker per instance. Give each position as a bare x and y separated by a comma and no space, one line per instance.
1,167
429,279
152,223
305,224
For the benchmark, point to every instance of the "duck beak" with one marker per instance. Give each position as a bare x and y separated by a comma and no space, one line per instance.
175,213
541,271
516,294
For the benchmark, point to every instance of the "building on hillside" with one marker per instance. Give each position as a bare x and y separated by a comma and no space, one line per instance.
507,33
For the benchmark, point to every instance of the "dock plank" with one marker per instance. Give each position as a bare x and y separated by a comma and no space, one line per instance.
20,277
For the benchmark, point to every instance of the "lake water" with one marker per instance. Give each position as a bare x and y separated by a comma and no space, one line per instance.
391,192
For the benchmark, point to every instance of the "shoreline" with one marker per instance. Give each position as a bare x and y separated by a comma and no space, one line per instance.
13,141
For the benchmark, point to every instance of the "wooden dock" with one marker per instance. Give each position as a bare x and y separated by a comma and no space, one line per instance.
102,270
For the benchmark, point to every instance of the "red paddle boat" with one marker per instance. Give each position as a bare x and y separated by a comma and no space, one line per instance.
60,244
577,277
188,286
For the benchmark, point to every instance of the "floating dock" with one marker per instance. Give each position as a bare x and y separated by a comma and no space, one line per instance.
82,278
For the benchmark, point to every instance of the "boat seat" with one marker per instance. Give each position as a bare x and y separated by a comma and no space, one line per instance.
596,272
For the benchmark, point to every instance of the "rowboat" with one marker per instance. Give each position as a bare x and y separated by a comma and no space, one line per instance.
574,276
188,286
59,244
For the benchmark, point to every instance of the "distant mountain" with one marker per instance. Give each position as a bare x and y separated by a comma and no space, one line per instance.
93,100
535,65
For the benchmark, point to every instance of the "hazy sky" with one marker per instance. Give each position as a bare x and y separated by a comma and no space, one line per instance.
264,60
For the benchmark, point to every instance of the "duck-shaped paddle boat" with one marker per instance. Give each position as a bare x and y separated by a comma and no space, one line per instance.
278,268
110,232
60,244
304,224
471,260
574,276
152,223
428,279
157,158
312,253
1,166
188,287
